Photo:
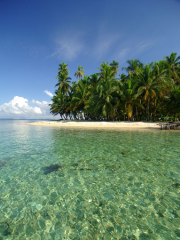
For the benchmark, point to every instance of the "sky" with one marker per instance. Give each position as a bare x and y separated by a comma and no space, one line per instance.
36,36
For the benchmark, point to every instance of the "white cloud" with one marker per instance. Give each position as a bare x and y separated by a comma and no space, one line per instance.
68,46
131,49
105,44
44,106
20,107
144,45
121,54
48,93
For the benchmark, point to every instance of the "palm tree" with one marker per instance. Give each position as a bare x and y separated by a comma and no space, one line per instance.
64,83
150,80
165,83
174,66
129,97
123,77
133,65
80,95
93,80
115,66
173,105
63,68
153,88
103,102
79,73
63,79
106,72
60,104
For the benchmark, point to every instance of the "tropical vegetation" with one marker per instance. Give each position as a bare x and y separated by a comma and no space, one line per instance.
144,92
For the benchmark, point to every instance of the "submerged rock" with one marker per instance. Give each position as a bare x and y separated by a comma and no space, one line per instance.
160,214
176,185
51,168
177,232
81,169
2,163
75,165
175,214
5,228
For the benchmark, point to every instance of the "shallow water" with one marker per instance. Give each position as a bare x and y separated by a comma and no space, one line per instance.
115,184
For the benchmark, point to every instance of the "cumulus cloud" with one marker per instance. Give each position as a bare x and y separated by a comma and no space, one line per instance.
44,106
20,107
48,93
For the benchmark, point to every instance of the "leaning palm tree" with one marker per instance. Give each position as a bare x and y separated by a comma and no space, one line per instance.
79,73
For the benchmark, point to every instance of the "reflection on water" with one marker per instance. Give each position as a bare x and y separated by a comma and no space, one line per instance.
109,184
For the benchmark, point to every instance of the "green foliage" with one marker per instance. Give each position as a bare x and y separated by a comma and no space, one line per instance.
80,72
173,67
63,79
147,92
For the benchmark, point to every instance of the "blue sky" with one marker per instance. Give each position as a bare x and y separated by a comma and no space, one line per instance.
35,36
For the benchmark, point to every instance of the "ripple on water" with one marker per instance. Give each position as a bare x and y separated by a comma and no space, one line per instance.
82,184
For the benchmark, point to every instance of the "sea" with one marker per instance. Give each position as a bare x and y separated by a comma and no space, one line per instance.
88,184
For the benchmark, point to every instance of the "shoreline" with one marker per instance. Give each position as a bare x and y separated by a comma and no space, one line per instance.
88,124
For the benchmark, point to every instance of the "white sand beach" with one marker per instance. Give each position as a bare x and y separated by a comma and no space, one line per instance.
88,124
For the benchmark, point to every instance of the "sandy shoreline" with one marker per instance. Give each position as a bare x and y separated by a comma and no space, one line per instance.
88,124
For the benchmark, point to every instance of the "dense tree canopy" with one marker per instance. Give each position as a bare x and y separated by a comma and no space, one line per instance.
144,92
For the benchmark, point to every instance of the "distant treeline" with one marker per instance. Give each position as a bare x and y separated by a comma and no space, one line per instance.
144,93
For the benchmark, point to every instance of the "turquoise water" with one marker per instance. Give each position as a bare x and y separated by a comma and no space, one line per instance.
113,184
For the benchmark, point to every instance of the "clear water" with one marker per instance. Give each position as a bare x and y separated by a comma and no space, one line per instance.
113,184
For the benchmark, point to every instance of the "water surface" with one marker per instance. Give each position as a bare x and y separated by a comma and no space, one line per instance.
110,184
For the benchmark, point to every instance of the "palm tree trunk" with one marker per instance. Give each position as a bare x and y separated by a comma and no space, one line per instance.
136,113
154,117
140,112
132,117
148,110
